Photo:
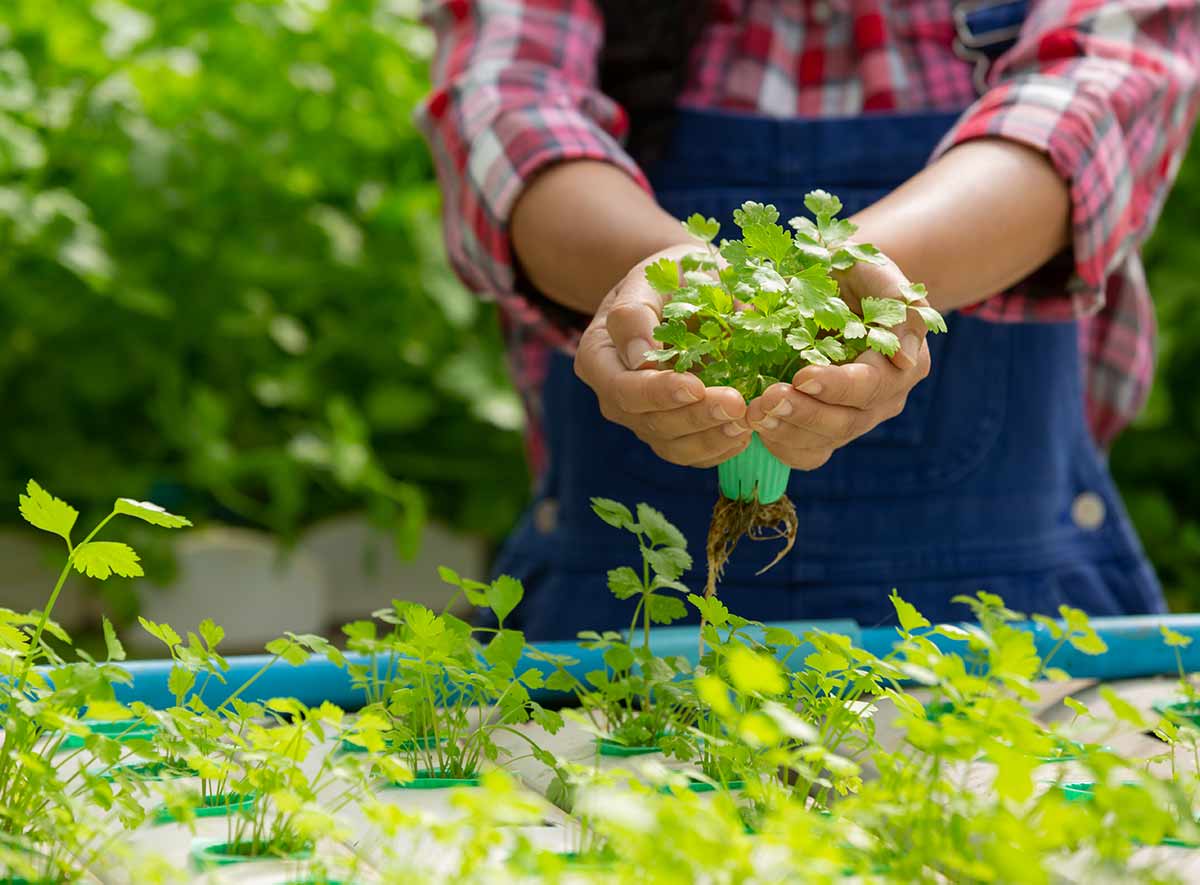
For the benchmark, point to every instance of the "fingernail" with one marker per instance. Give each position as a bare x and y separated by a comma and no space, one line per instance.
769,422
720,414
910,346
734,430
685,396
782,410
812,388
635,352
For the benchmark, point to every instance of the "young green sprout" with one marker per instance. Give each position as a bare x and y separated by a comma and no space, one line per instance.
754,312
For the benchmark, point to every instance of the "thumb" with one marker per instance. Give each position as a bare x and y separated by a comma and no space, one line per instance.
635,311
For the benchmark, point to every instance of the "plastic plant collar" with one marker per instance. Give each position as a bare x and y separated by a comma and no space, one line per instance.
208,854
435,780
754,472
147,771
1078,792
212,806
699,786
1179,710
610,747
424,742
117,729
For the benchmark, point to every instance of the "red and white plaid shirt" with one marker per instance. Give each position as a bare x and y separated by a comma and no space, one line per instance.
1106,88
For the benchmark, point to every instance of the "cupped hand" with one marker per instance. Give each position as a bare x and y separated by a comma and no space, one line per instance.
673,412
826,407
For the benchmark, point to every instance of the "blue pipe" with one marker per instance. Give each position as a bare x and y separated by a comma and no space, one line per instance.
1135,649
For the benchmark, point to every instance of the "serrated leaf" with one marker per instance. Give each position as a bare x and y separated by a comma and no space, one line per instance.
906,612
698,261
624,582
800,338
855,252
618,657
854,329
116,651
702,228
883,311
677,310
752,213
503,595
934,321
1173,638
658,529
833,349
212,633
46,512
666,609
663,276
151,513
882,341
100,559
614,513
180,681
913,292
823,205
668,562
815,357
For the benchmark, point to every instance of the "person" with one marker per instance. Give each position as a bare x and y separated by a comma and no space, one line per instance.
1012,156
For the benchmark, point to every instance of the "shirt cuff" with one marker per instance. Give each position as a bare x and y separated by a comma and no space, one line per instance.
1075,129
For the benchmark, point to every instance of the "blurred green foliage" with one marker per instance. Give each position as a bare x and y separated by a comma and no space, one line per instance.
223,284
1156,461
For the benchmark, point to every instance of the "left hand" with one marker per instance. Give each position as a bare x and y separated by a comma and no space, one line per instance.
825,407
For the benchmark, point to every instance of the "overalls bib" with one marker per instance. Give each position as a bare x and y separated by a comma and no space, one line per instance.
988,480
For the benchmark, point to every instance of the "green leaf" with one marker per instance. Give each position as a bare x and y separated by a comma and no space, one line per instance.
852,253
934,321
658,529
180,681
702,228
505,649
754,673
1122,709
618,657
1174,639
752,213
854,329
882,341
151,513
100,559
677,310
833,349
116,651
162,632
712,609
666,609
46,512
663,276
624,582
698,261
668,562
800,338
883,311
616,515
913,292
502,596
910,618
212,633
823,205
288,650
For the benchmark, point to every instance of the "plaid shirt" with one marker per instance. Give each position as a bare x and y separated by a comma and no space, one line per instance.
1107,89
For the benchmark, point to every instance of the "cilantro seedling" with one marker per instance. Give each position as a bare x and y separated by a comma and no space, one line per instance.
752,312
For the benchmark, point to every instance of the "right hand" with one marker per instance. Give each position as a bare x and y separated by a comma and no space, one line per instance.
672,412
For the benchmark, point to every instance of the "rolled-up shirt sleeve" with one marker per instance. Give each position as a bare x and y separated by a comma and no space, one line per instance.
1108,91
514,90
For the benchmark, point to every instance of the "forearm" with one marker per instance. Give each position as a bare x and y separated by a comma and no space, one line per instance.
579,226
981,218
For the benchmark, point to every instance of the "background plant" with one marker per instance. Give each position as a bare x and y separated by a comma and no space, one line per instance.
222,213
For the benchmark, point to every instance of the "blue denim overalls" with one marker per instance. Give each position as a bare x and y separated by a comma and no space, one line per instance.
989,479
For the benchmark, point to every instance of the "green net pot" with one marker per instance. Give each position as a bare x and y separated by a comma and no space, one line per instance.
435,780
218,805
117,729
613,747
754,474
1179,710
211,854
424,742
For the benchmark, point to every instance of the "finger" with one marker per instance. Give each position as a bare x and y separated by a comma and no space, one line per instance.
721,407
783,410
912,334
651,390
635,311
857,384
794,456
706,448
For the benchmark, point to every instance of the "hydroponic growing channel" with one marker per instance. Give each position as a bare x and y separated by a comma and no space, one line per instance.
1011,749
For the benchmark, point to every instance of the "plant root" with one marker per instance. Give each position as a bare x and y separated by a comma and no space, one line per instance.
732,519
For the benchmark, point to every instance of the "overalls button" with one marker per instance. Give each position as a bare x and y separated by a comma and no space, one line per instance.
545,515
1088,511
